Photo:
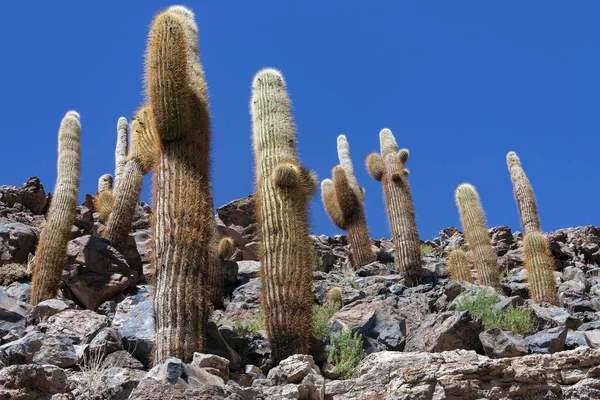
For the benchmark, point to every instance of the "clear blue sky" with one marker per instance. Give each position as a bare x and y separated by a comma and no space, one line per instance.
460,83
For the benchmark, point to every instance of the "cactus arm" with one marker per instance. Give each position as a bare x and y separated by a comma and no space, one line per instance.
539,265
375,166
330,202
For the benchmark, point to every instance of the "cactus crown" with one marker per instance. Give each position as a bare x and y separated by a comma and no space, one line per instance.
105,182
225,248
143,139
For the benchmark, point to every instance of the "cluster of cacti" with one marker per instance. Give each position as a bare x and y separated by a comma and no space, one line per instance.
183,225
127,191
283,189
459,266
388,168
51,253
343,200
473,221
104,199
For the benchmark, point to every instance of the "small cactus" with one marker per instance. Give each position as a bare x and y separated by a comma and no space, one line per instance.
51,253
335,296
530,221
121,149
459,266
343,201
224,249
539,264
127,191
183,222
388,168
104,199
473,221
283,190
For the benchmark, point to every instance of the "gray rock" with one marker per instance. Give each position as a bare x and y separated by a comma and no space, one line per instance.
17,240
449,330
12,315
80,325
293,369
592,338
83,218
32,382
575,339
107,341
48,308
499,343
375,269
31,195
122,359
589,326
212,364
118,383
20,291
40,348
246,297
247,270
547,342
550,317
217,345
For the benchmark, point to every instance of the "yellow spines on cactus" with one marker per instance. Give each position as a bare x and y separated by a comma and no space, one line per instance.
459,266
388,168
283,189
127,191
218,256
51,253
225,248
473,221
539,264
121,148
530,220
335,297
343,201
104,199
183,222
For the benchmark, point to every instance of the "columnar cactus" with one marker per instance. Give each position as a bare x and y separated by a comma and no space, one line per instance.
127,191
523,194
459,266
388,168
183,222
283,189
51,253
473,221
343,201
121,149
104,199
222,251
539,264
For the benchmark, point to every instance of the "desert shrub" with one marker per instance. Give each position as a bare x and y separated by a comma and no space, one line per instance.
346,353
250,326
321,315
426,249
13,272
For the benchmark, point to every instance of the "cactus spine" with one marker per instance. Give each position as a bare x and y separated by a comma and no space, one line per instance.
473,221
539,264
121,149
183,222
459,266
224,249
523,194
51,253
283,189
104,199
388,168
129,186
343,200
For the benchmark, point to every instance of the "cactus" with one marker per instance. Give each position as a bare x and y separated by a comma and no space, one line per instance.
530,221
121,149
459,266
335,296
51,253
539,264
183,222
283,189
388,168
127,191
219,254
104,199
343,201
473,221
225,248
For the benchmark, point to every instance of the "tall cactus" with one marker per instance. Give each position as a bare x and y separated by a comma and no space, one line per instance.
473,221
183,222
51,253
283,189
539,264
388,168
343,200
523,194
104,199
121,149
459,266
127,191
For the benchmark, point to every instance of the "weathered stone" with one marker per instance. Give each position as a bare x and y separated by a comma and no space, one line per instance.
449,330
107,341
213,364
29,382
19,291
48,308
80,325
122,359
12,315
217,345
31,195
17,241
498,343
375,269
547,342
40,348
575,339
293,369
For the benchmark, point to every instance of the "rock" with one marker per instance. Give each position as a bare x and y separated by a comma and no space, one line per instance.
589,326
97,272
247,270
449,330
230,273
246,296
217,345
113,383
19,291
466,375
83,218
250,251
212,364
547,342
550,317
122,359
293,369
575,339
48,308
12,315
373,269
31,195
134,319
107,341
17,241
40,348
592,338
502,239
499,343
80,325
28,382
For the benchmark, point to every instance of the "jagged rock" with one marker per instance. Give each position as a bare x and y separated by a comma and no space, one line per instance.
12,315
449,330
212,364
550,317
83,218
40,348
31,195
107,341
293,370
114,383
48,308
96,272
19,291
502,239
547,342
592,338
247,270
80,325
30,382
575,339
499,343
373,269
17,241
246,296
122,359
134,319
217,345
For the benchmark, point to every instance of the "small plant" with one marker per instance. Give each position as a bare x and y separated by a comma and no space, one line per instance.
518,320
335,296
352,282
249,327
321,315
426,249
506,276
318,262
346,353
13,272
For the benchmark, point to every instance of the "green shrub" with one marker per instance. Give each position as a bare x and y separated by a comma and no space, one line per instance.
426,249
519,320
249,327
321,315
352,282
346,353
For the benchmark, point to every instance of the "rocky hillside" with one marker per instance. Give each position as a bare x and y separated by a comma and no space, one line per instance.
439,340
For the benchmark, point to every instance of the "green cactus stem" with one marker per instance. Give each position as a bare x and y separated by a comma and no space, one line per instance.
539,264
530,220
104,199
459,266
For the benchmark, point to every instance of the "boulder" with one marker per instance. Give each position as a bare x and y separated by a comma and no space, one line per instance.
121,359
29,382
17,241
19,291
12,315
31,196
548,341
48,308
499,343
106,342
212,364
41,348
80,325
